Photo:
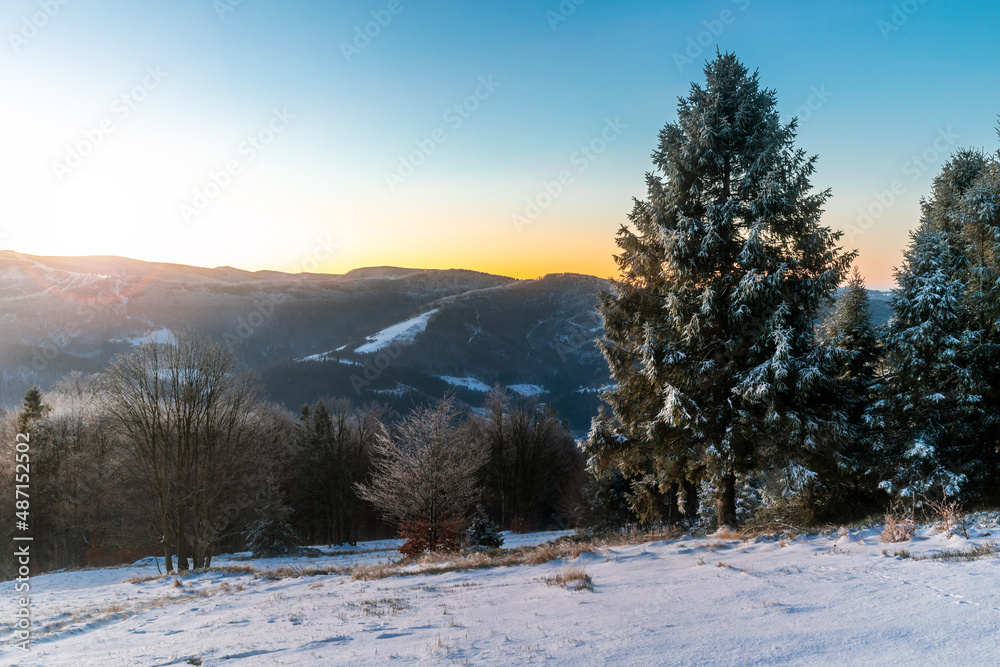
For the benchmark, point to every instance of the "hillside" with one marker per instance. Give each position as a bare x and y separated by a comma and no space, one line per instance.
387,334
62,314
842,597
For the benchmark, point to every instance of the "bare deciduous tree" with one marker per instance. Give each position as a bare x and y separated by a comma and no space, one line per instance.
427,471
191,423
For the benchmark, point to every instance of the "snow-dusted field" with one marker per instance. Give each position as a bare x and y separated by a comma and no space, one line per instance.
829,599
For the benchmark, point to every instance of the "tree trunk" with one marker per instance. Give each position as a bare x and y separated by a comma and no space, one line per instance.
691,500
182,561
725,502
168,553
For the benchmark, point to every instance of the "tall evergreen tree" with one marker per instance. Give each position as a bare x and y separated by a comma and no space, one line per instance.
271,534
944,342
710,329
933,388
980,217
33,409
331,453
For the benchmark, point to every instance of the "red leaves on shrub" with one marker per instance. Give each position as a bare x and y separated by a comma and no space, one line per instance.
423,536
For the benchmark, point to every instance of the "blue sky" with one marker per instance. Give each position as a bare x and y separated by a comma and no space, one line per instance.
271,136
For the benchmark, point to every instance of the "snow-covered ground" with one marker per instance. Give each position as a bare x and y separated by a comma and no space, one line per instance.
474,384
470,383
842,598
161,336
527,389
398,334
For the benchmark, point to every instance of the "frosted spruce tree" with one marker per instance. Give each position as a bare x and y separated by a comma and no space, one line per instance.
979,212
271,534
932,391
709,332
941,406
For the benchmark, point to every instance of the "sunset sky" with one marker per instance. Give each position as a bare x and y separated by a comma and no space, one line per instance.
265,134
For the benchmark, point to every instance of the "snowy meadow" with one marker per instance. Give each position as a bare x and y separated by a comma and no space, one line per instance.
839,596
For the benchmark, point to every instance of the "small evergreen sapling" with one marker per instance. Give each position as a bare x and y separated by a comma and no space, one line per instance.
483,533
271,534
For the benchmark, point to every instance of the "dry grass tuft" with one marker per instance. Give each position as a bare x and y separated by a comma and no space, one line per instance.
375,571
950,519
541,554
897,529
572,578
985,550
727,533
566,548
115,607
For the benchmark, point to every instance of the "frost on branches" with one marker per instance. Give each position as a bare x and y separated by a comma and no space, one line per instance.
709,332
426,477
271,534
942,391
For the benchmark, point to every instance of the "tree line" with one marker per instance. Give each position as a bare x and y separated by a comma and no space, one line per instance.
173,452
741,369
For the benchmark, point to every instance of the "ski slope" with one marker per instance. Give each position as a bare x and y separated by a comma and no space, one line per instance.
398,334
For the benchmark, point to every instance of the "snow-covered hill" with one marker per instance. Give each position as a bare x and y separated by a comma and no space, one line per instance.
841,598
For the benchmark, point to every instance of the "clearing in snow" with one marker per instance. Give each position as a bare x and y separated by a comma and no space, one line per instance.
398,334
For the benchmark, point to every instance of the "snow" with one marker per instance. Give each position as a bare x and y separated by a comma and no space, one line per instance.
328,356
399,389
469,382
162,336
527,389
474,384
398,334
839,598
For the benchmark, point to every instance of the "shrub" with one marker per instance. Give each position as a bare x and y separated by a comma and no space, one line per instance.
950,521
422,536
483,533
271,534
897,529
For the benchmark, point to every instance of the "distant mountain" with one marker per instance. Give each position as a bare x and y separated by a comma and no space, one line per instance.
390,334
59,314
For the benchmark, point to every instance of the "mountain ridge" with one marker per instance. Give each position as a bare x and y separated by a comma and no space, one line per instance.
302,332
